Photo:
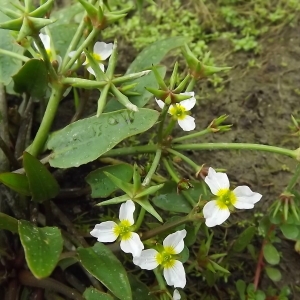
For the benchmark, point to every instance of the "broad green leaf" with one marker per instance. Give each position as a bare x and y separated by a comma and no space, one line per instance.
101,185
168,199
93,294
42,247
271,254
241,288
140,291
86,140
290,231
8,65
36,70
17,182
43,185
9,223
102,264
62,36
144,96
244,239
273,273
154,53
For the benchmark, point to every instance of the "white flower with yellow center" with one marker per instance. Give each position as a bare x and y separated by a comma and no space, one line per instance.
100,53
174,272
109,231
180,111
217,211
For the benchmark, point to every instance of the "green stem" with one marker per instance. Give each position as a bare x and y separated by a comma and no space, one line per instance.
45,57
167,226
139,220
14,55
293,180
83,83
185,159
237,146
131,150
169,128
153,167
42,134
161,124
78,52
161,283
192,135
102,99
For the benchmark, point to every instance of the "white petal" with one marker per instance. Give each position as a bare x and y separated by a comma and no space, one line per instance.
175,275
45,40
72,53
126,211
188,123
104,232
175,240
188,104
103,49
90,70
160,103
176,295
214,215
216,181
132,245
102,67
147,259
245,197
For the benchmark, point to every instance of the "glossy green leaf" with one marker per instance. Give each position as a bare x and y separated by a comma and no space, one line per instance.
244,239
62,36
102,264
8,65
43,185
271,254
42,247
290,231
93,294
86,140
168,199
140,291
144,96
36,70
17,182
154,53
101,185
273,273
8,223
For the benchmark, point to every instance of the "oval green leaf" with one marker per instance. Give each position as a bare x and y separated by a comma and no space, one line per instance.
101,185
271,254
140,290
93,294
86,140
102,264
17,182
290,231
37,71
168,199
273,273
43,185
154,53
244,239
42,247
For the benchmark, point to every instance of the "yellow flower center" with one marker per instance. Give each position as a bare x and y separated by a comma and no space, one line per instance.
123,230
225,198
166,257
178,111
97,57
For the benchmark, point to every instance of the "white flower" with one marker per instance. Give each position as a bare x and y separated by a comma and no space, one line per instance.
173,269
179,111
100,53
109,231
47,44
176,295
217,211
